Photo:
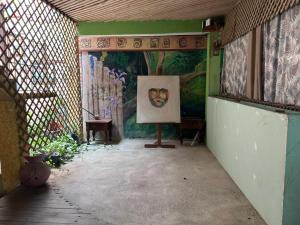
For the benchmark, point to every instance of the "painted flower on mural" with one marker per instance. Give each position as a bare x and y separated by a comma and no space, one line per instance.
113,101
118,74
106,113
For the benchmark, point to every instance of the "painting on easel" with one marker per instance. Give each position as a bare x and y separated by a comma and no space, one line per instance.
158,99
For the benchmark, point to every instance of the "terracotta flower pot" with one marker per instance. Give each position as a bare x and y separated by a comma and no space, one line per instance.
35,172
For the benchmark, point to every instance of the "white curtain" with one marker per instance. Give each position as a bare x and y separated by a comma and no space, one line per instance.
235,67
281,58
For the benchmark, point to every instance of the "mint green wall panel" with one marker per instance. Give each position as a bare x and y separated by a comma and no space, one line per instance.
291,212
250,143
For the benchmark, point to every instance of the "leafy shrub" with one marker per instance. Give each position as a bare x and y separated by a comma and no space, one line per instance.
63,148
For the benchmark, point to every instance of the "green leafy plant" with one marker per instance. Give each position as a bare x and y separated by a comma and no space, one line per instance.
63,147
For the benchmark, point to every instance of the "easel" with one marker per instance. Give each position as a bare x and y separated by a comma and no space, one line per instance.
158,143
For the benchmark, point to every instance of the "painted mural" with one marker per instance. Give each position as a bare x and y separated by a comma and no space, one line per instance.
122,68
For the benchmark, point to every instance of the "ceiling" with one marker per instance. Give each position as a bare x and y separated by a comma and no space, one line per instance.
124,10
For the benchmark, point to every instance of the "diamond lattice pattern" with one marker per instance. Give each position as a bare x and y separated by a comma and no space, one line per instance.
38,53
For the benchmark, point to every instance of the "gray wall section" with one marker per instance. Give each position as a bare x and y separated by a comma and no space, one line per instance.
250,143
291,209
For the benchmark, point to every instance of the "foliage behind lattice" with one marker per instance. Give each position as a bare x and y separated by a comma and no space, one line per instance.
38,52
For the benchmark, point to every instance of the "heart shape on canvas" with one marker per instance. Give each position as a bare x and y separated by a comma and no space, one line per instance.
158,96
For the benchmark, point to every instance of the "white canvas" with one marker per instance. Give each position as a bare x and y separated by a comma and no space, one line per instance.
158,99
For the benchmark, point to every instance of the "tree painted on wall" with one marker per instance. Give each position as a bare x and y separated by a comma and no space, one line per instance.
190,65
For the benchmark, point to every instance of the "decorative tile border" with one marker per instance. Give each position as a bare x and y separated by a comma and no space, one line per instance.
131,43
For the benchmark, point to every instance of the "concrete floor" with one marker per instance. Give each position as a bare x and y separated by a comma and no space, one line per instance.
126,184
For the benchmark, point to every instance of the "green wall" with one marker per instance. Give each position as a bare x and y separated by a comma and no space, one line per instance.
260,150
213,67
139,27
250,143
291,204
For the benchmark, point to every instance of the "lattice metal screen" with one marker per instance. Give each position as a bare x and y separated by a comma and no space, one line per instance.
249,14
38,53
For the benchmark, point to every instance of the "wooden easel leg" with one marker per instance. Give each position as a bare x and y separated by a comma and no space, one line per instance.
158,130
158,143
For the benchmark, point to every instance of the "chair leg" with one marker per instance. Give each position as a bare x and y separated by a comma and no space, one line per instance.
195,138
88,136
94,134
